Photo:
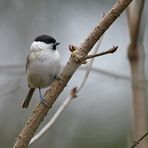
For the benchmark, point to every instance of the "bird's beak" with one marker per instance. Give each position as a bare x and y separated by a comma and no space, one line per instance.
57,43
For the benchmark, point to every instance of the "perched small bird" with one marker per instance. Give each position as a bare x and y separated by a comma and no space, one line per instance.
42,66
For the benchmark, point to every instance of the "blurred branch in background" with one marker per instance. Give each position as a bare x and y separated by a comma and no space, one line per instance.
136,60
134,16
10,90
19,70
139,140
69,69
73,94
12,69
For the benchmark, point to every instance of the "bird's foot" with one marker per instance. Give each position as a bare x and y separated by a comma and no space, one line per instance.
43,101
58,78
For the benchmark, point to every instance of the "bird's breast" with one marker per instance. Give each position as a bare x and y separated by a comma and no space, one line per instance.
42,71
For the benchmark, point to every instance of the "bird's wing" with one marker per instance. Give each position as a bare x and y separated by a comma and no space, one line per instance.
30,59
27,63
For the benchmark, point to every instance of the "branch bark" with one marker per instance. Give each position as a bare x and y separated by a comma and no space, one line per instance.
57,86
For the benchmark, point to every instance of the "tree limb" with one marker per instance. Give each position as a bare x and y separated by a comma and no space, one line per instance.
73,94
57,86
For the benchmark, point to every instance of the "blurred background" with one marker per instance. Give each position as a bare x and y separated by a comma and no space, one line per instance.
101,115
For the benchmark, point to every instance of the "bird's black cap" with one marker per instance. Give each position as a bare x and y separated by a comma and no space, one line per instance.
46,39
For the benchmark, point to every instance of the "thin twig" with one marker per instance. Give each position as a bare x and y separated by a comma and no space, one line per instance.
139,140
67,101
52,120
90,64
111,50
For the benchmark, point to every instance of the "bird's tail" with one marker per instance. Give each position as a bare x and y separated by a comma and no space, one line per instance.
27,99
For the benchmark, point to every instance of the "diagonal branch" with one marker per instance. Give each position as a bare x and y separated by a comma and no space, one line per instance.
57,86
71,96
54,118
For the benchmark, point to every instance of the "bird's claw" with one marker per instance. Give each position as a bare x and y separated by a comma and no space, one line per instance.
43,101
58,78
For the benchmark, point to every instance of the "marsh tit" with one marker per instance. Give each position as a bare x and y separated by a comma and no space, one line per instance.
42,66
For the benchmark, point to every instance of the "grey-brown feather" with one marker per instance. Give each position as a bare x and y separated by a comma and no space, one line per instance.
28,97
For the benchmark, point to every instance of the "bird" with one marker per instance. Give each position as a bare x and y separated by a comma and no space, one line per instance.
43,65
